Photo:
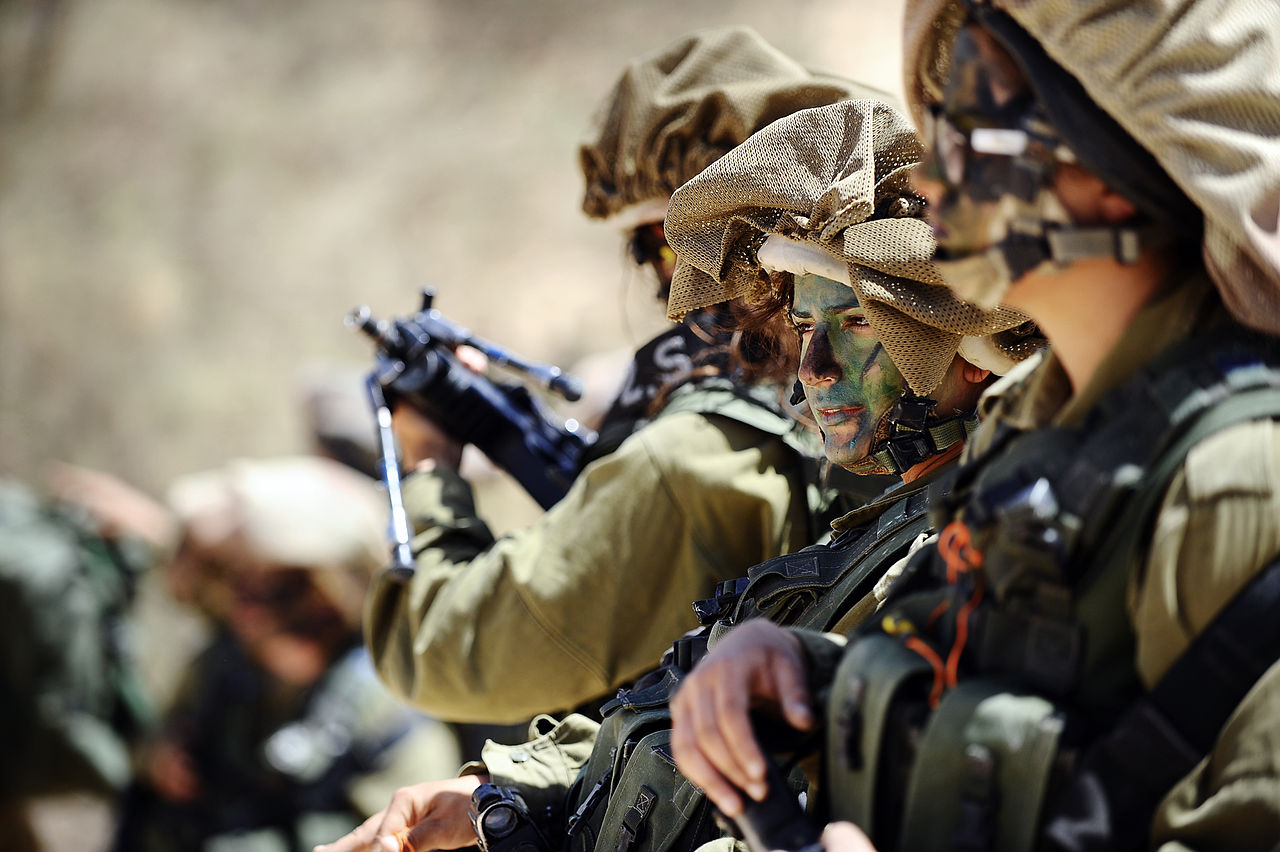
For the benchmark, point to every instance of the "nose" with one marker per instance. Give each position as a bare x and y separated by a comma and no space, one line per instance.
818,365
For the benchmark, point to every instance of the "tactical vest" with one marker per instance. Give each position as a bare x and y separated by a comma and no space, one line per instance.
630,796
964,711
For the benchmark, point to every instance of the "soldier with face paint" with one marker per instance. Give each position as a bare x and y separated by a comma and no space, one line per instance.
839,282
1088,657
562,612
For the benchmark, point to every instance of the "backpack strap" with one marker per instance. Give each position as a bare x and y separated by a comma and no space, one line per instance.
1123,777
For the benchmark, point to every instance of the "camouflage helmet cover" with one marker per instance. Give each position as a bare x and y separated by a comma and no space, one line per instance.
675,111
826,190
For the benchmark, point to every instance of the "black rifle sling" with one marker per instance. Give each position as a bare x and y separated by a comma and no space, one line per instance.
1111,799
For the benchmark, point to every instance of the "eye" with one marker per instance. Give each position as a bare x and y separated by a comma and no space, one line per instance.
802,326
854,322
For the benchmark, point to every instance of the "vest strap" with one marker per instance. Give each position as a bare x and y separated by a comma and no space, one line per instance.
1124,776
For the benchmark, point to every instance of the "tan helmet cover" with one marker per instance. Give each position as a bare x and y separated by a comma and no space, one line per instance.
294,511
1195,82
832,181
673,112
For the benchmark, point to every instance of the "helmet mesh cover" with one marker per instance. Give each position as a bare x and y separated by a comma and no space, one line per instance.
836,178
674,112
1195,82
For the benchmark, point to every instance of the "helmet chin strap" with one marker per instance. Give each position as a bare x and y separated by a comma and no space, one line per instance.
917,434
1041,237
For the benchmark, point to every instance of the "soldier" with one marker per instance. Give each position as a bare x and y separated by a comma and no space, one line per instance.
1087,658
281,734
833,238
71,701
561,612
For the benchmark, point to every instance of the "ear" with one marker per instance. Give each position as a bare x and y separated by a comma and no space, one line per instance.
974,374
1115,208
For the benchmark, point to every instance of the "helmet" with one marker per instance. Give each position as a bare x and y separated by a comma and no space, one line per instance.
674,112
826,191
292,512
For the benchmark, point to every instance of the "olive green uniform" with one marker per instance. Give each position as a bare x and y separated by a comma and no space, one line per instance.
557,771
589,596
1217,526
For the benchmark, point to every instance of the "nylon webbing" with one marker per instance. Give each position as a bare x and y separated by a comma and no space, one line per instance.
1109,802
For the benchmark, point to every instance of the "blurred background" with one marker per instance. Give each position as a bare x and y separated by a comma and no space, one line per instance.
193,193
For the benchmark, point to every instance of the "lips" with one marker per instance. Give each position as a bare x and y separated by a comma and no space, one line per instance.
832,415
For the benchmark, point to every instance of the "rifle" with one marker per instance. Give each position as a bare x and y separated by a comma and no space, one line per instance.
414,364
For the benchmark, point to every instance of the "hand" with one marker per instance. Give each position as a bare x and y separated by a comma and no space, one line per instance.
435,812
117,508
172,773
756,665
845,837
423,444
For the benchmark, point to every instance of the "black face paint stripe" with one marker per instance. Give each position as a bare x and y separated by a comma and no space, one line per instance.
870,362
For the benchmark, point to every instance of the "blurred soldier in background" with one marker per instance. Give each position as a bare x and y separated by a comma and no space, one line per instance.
561,612
71,702
281,733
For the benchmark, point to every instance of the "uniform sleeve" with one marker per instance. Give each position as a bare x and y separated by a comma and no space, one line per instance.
595,591
544,768
1218,526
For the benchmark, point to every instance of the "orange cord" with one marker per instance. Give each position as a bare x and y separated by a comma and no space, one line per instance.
955,545
922,648
403,836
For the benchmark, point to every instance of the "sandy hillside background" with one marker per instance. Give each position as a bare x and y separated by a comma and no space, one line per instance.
194,192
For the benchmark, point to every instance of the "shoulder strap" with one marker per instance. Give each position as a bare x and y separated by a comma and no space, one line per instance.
1123,777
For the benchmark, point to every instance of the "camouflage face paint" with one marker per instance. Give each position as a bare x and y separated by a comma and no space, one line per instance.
994,154
849,381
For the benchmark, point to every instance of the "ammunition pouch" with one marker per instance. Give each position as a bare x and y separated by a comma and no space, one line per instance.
630,797
1001,710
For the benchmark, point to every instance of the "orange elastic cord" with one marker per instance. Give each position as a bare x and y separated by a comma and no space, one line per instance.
955,545
402,836
938,612
922,648
962,631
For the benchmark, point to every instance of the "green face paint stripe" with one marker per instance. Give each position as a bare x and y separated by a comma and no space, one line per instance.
870,361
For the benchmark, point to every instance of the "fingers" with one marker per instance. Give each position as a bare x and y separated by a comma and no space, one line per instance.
703,774
789,685
435,815
845,837
472,358
431,815
757,664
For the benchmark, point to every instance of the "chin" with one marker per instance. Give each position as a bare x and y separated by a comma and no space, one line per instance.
843,454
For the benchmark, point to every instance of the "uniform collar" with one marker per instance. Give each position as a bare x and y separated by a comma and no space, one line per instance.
894,493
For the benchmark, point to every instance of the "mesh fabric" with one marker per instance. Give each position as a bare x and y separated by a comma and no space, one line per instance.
1195,82
674,112
836,178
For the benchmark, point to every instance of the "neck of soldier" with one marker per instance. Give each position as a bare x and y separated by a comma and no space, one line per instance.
932,463
1085,308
